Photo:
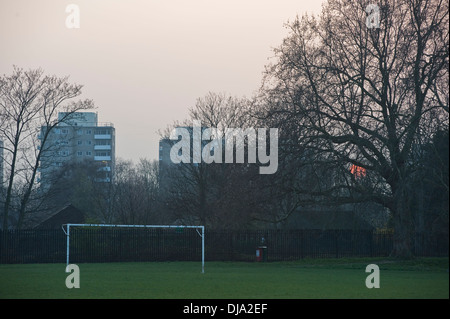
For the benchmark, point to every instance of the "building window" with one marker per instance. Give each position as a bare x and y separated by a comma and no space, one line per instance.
102,132
88,153
80,153
88,132
103,142
79,142
102,153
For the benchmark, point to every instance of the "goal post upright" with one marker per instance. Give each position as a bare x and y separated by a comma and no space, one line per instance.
67,232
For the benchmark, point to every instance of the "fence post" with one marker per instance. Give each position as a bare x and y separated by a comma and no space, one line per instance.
336,241
1,246
371,243
301,244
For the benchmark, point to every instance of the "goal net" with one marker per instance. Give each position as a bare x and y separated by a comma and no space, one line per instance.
127,243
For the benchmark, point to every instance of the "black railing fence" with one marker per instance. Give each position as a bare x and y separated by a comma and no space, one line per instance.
89,244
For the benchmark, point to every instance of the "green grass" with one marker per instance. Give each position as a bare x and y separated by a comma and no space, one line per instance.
326,278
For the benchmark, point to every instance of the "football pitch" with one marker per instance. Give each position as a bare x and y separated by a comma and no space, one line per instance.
426,278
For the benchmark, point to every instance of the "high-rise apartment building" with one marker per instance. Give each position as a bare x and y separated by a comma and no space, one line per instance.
80,137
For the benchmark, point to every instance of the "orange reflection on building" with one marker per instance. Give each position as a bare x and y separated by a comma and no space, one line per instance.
358,171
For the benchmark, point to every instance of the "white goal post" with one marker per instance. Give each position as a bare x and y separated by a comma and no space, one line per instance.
67,232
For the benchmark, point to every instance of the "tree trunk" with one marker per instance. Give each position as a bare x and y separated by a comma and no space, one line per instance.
10,186
403,229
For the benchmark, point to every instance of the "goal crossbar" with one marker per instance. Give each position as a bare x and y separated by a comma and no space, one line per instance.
67,232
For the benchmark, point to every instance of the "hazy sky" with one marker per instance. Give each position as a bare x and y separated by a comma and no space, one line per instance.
145,62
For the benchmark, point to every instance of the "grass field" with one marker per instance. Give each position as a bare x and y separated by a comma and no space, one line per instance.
327,278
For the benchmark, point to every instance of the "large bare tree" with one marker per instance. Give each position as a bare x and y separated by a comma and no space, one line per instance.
30,100
363,87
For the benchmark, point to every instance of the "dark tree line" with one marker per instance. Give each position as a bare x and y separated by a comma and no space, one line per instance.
362,116
347,95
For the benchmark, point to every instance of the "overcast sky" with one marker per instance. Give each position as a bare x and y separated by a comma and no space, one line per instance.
145,62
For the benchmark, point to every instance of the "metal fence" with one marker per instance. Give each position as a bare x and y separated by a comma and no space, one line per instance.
122,245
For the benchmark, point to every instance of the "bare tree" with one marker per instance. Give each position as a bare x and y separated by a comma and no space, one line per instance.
221,195
221,110
135,189
30,100
350,93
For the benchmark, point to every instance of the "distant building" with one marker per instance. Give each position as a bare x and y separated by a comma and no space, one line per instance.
78,138
170,173
197,151
168,170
